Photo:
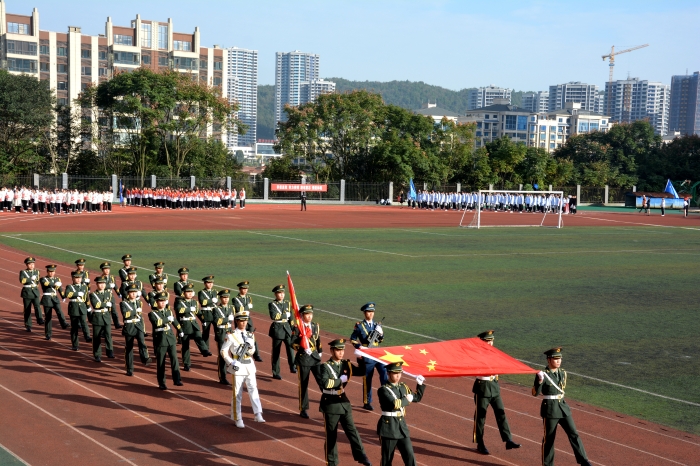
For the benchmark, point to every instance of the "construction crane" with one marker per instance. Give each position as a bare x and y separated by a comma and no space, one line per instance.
611,56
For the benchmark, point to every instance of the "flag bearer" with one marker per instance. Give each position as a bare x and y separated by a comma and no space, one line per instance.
360,339
280,331
223,320
308,355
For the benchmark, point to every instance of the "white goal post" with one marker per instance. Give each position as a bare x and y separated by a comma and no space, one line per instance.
489,201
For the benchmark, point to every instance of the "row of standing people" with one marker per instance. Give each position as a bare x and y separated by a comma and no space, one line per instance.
172,198
495,201
56,201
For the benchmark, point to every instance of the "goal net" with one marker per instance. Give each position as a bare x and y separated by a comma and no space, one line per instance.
501,208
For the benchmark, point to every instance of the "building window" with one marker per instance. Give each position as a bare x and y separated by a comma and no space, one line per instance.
522,123
543,136
146,35
478,133
62,51
182,45
44,49
21,48
602,122
218,65
102,54
18,28
543,128
487,117
551,145
217,81
21,65
62,101
532,136
102,72
86,71
43,66
593,126
162,37
85,53
510,122
533,118
552,128
552,136
478,124
146,59
61,85
162,61
203,64
186,63
121,39
84,86
561,120
487,125
127,58
62,68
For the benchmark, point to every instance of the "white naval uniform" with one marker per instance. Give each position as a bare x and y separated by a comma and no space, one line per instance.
244,374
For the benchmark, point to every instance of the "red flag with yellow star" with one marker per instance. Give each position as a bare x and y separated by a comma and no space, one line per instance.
452,358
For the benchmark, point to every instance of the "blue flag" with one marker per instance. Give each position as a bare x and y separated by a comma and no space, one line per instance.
670,189
412,190
121,192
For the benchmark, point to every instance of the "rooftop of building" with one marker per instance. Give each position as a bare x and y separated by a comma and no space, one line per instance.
433,110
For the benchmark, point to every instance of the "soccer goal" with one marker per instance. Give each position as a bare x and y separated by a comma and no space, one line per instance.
501,208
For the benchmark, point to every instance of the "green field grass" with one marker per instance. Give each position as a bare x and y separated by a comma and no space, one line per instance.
620,300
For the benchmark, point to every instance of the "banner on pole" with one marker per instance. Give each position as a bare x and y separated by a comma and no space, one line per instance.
297,187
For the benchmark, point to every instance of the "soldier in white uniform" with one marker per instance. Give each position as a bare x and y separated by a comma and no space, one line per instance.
242,367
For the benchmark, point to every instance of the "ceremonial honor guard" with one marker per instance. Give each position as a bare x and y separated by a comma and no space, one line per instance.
164,342
133,328
100,317
363,332
392,429
332,377
245,302
184,274
280,331
307,359
51,288
223,315
84,274
554,411
207,303
124,271
76,294
111,287
487,392
127,284
152,296
186,311
237,350
158,274
29,278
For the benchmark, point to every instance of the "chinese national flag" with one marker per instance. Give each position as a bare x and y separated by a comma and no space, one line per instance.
453,358
305,333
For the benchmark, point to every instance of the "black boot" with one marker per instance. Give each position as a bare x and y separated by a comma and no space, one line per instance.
511,444
481,448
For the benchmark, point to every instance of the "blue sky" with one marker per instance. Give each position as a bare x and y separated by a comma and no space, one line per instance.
525,45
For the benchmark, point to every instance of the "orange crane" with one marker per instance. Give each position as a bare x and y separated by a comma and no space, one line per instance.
611,56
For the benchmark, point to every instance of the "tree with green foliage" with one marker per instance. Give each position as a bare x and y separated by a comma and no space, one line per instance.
282,169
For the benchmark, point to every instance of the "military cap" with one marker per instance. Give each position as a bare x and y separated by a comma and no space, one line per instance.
162,296
487,335
76,274
80,262
244,284
242,315
132,287
51,267
158,280
225,293
188,287
208,279
278,289
131,270
369,307
183,270
159,265
554,352
306,308
29,260
100,280
126,257
394,367
105,265
338,344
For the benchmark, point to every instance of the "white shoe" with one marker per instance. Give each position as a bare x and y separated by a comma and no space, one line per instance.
239,424
259,418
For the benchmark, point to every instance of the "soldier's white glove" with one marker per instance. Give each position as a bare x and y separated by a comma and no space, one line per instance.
80,293
87,280
111,285
420,380
204,324
138,294
182,334
230,317
171,319
308,351
250,305
409,397
380,330
59,284
193,308
343,378
108,304
214,300
540,376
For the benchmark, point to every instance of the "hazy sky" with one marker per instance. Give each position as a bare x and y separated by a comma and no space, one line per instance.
525,45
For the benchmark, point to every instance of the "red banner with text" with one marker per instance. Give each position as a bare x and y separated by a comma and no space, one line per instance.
296,187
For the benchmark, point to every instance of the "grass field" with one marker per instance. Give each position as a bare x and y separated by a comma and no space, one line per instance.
620,300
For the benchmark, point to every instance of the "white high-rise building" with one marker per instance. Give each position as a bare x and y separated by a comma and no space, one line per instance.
635,99
311,90
483,96
291,71
575,91
242,87
536,102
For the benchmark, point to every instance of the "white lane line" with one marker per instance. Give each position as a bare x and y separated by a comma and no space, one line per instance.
644,224
13,454
64,422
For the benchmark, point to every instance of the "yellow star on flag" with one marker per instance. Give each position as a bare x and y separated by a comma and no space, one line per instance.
389,357
432,362
431,368
407,347
423,351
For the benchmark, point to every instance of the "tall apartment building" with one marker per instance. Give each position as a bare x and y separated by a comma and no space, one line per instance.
242,84
635,99
312,89
684,113
536,101
71,60
297,80
483,96
575,91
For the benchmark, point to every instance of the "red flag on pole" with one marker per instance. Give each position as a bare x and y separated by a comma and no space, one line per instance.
453,358
305,334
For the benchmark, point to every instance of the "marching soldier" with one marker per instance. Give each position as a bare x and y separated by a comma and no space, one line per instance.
207,303
76,293
280,331
242,367
307,359
554,411
80,264
332,377
245,302
51,287
223,315
111,287
124,271
186,311
133,328
487,392
29,278
393,432
360,339
164,342
152,296
158,274
100,317
184,274
131,280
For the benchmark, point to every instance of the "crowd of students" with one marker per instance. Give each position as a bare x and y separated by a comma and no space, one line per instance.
56,201
493,201
177,198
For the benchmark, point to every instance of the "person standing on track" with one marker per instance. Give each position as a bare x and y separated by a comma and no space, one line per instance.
158,273
686,205
101,319
186,311
280,331
554,411
133,328
663,206
241,196
76,293
208,298
243,302
184,274
124,271
29,278
332,377
164,342
223,314
307,359
111,287
487,392
302,197
84,274
51,288
360,339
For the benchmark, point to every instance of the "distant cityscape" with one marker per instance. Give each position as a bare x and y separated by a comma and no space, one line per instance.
70,61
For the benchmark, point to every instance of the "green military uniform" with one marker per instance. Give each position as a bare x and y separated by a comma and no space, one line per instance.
133,329
336,407
30,294
487,392
101,319
223,317
245,303
180,284
84,274
111,287
554,411
158,274
207,303
186,312
127,283
151,297
281,332
392,428
123,272
52,289
76,294
164,342
306,363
